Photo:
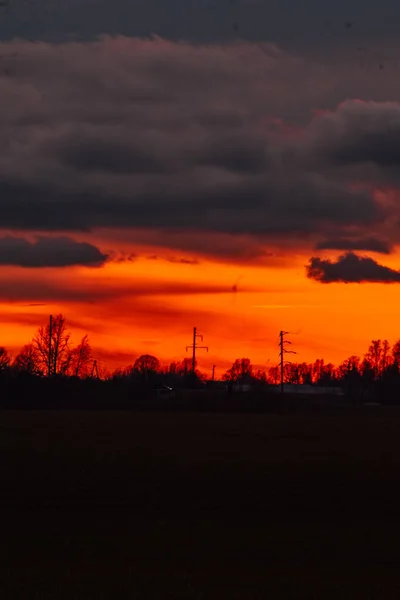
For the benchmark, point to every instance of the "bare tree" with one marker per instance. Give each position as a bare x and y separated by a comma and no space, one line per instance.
4,359
53,352
290,373
396,353
146,365
305,373
241,370
260,376
80,359
386,358
378,357
317,369
349,367
273,375
27,361
104,373
184,367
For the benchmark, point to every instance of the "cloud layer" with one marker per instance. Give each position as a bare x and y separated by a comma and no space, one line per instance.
350,268
192,139
49,252
140,133
35,290
308,23
370,244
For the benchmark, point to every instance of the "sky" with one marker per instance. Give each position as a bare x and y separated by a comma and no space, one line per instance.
230,165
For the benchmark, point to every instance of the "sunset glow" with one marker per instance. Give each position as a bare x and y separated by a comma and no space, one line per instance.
151,306
236,187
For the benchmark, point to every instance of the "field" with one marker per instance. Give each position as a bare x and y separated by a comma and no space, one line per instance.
117,505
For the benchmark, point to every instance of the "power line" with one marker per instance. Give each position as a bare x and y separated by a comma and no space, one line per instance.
283,351
194,346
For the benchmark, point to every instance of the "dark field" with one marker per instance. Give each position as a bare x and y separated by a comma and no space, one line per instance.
124,505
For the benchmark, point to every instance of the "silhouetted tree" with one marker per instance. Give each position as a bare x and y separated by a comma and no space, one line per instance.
396,353
80,359
146,365
104,373
377,358
305,373
317,369
327,375
240,371
260,376
180,374
171,369
184,368
386,358
350,366
56,351
27,361
375,375
4,359
273,375
123,372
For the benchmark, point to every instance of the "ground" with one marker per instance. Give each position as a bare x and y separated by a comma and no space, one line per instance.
121,505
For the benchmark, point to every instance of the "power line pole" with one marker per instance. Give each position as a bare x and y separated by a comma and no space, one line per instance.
194,346
283,351
49,349
94,370
213,373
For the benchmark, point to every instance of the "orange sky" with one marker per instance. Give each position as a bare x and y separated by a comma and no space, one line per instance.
204,177
151,306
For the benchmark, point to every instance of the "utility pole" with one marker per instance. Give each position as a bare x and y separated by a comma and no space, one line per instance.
282,351
94,370
194,346
49,350
213,373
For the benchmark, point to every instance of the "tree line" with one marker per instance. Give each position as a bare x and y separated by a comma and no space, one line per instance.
51,355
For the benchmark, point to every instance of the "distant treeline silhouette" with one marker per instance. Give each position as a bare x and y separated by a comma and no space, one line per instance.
50,372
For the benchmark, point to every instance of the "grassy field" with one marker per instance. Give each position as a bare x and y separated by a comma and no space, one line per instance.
121,505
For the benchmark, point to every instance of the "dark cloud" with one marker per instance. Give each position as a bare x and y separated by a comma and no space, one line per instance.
121,257
14,290
207,139
306,24
350,268
359,132
234,152
223,247
183,261
32,304
49,252
33,290
95,153
369,244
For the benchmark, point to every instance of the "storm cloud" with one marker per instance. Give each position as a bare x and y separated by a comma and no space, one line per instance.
368,244
306,24
359,132
49,252
350,268
151,134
